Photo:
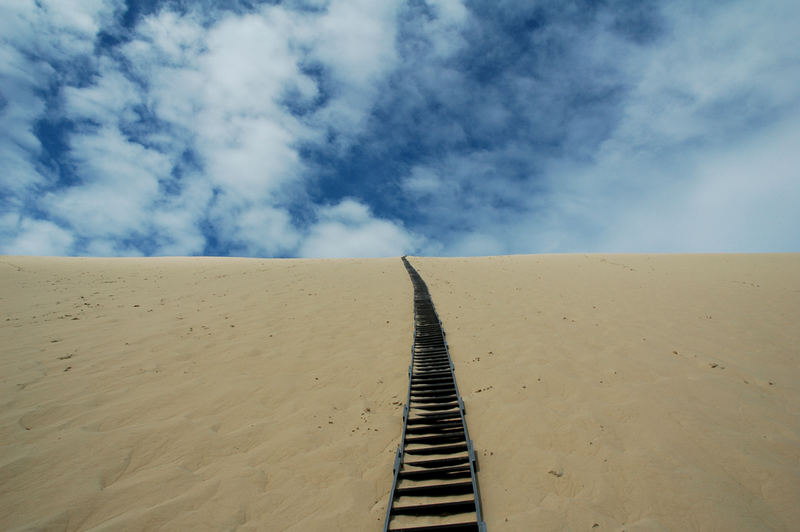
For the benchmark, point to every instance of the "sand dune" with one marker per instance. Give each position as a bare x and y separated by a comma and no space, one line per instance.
631,392
200,394
662,391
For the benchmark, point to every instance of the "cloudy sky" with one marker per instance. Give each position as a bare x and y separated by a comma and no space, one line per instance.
313,128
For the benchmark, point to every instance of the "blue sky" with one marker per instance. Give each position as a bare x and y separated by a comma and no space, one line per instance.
355,128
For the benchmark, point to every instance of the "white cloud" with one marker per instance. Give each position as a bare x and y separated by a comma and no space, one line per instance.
354,41
742,198
36,38
348,229
220,91
476,243
700,150
254,229
33,237
422,181
444,28
212,89
739,60
120,183
55,30
224,87
703,151
198,122
109,100
19,108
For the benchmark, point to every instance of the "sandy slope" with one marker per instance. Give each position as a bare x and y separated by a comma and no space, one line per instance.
631,392
199,394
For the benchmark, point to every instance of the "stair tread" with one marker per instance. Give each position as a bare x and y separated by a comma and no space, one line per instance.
453,527
436,472
439,462
436,508
438,449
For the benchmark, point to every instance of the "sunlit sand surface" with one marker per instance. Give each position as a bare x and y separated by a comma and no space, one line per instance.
635,392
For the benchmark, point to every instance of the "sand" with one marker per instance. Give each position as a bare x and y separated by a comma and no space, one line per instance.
631,392
200,394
